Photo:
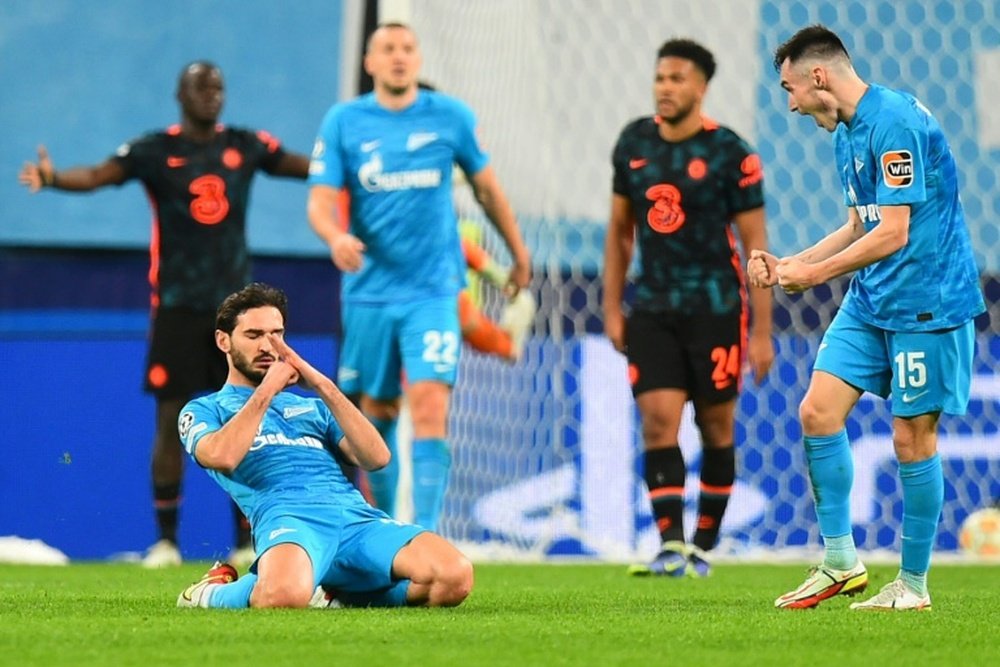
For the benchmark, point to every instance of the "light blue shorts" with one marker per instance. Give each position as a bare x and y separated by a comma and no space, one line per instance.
381,341
351,548
923,372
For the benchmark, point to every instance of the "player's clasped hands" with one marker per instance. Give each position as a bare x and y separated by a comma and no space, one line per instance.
794,275
761,269
767,270
304,373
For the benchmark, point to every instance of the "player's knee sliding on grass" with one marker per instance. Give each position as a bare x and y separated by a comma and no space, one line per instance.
427,571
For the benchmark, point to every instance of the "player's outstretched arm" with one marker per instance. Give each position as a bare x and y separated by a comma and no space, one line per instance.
491,197
618,247
293,165
362,444
42,174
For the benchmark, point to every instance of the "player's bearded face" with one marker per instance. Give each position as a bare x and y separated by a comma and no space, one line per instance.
249,349
253,366
677,89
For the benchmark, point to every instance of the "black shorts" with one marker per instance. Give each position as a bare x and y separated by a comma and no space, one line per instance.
183,359
701,354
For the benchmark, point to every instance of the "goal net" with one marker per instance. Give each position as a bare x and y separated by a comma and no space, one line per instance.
547,451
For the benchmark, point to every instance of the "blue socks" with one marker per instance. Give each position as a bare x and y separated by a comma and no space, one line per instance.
383,482
923,498
831,471
431,462
235,595
393,596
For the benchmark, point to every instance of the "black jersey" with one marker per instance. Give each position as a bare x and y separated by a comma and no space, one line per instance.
684,196
199,193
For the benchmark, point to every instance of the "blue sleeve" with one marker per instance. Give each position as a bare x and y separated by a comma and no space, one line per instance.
334,434
468,153
327,164
899,145
840,143
197,419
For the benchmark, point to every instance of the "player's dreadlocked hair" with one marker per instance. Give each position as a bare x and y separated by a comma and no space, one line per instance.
688,49
816,41
254,295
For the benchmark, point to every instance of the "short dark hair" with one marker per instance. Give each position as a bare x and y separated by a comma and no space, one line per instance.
815,41
254,295
386,24
688,49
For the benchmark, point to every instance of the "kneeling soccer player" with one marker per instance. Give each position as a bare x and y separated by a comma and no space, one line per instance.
275,453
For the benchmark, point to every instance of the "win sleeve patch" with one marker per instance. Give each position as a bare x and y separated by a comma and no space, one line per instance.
897,168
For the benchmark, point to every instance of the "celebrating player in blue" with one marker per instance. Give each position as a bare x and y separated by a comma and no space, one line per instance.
905,327
276,454
393,151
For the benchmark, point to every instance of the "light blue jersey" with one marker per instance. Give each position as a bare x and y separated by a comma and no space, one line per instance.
289,462
893,153
397,168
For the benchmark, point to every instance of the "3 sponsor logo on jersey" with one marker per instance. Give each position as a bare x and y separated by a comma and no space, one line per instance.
174,161
637,163
369,146
373,179
897,168
666,214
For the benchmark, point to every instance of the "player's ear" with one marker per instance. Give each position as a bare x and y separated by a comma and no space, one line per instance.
223,341
818,77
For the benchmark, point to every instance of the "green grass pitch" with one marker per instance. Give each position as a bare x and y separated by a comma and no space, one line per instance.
102,614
